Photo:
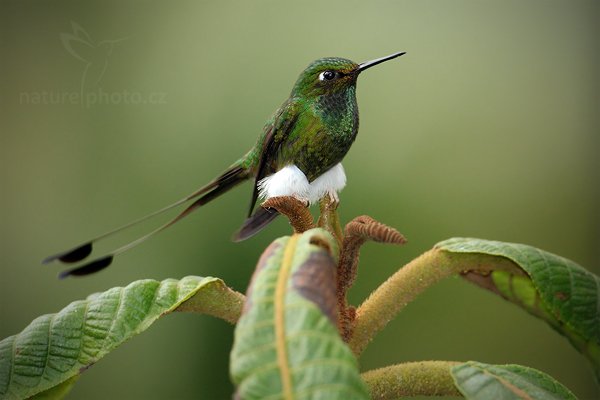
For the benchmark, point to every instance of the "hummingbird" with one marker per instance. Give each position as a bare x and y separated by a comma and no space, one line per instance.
298,154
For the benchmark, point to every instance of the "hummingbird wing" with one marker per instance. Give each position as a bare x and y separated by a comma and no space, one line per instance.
282,124
255,223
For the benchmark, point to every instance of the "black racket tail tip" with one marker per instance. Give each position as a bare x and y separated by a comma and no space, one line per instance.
74,255
89,268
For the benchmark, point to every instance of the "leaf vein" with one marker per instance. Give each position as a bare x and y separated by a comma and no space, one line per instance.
115,318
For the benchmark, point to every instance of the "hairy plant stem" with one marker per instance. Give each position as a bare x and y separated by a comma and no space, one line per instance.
295,210
356,233
408,282
424,378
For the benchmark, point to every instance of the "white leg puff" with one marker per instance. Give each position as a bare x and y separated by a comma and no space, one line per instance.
288,181
291,181
331,182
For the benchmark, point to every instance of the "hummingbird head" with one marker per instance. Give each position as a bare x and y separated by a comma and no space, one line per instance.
332,75
326,76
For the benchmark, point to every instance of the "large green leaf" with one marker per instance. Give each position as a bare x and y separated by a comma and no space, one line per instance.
549,286
480,381
55,348
57,392
286,342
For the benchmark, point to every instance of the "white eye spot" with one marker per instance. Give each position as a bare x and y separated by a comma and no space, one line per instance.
326,76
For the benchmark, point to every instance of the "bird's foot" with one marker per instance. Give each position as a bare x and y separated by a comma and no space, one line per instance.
329,219
332,200
296,210
302,200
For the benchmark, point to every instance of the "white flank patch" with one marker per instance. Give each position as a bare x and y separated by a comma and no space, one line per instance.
331,182
291,181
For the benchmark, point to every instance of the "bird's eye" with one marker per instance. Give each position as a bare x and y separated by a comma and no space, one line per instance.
326,75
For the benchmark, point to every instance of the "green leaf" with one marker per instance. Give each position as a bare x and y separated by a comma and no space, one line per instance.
548,286
57,347
480,381
57,392
286,343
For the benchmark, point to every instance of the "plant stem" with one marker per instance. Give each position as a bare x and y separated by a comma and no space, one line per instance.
296,211
408,282
356,233
424,378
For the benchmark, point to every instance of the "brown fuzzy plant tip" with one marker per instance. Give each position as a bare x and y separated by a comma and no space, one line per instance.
366,228
357,232
295,210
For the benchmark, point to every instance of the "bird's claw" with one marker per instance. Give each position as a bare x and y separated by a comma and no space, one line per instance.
331,201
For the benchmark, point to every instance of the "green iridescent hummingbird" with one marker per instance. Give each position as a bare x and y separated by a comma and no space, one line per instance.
298,154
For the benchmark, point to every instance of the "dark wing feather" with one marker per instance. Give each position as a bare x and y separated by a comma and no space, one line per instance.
277,132
261,218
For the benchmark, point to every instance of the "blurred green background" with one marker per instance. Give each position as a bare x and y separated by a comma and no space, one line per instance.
488,127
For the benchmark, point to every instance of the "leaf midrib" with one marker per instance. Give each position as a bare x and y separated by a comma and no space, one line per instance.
280,294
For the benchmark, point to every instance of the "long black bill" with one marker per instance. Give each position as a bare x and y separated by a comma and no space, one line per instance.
372,63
